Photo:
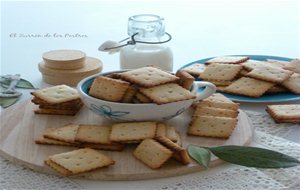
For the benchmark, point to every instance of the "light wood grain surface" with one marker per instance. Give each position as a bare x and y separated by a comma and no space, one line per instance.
20,126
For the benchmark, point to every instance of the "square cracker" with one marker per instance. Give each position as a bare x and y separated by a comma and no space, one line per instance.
66,133
148,76
108,89
293,83
211,111
248,87
218,100
251,64
228,59
93,134
57,94
270,74
219,71
284,112
152,153
69,112
211,126
142,98
276,89
42,140
185,79
167,93
132,132
179,153
81,160
195,69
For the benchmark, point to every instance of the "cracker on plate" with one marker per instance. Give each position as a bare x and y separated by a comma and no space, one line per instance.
293,83
220,72
270,74
228,59
249,87
195,69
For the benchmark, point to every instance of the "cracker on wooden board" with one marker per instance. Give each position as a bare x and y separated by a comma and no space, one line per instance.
220,72
129,94
112,146
167,93
293,83
66,133
108,89
209,126
249,87
58,168
152,153
211,111
148,76
56,94
132,132
76,106
185,79
56,111
142,98
179,153
93,134
195,69
42,140
282,112
81,160
70,103
270,74
228,59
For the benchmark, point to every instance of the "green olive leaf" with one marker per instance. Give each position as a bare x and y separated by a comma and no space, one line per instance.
21,84
201,155
6,102
254,157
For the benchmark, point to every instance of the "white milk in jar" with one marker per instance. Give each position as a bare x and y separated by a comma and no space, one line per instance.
149,48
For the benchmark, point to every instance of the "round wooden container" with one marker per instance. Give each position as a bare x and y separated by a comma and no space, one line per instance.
64,59
70,76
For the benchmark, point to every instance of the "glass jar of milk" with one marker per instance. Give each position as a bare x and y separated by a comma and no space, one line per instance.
148,34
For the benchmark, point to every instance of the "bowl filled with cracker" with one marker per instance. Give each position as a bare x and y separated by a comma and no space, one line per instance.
147,93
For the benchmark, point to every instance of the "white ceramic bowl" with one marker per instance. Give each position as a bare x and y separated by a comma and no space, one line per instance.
139,112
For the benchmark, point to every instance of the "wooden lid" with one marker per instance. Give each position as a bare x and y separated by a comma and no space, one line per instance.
64,59
70,77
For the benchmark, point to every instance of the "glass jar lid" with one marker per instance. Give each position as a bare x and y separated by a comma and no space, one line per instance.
146,25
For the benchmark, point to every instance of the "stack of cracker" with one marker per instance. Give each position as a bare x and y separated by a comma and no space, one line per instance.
57,100
78,161
215,116
284,113
92,136
143,85
243,76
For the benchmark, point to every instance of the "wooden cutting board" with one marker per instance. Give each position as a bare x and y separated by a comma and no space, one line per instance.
20,126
